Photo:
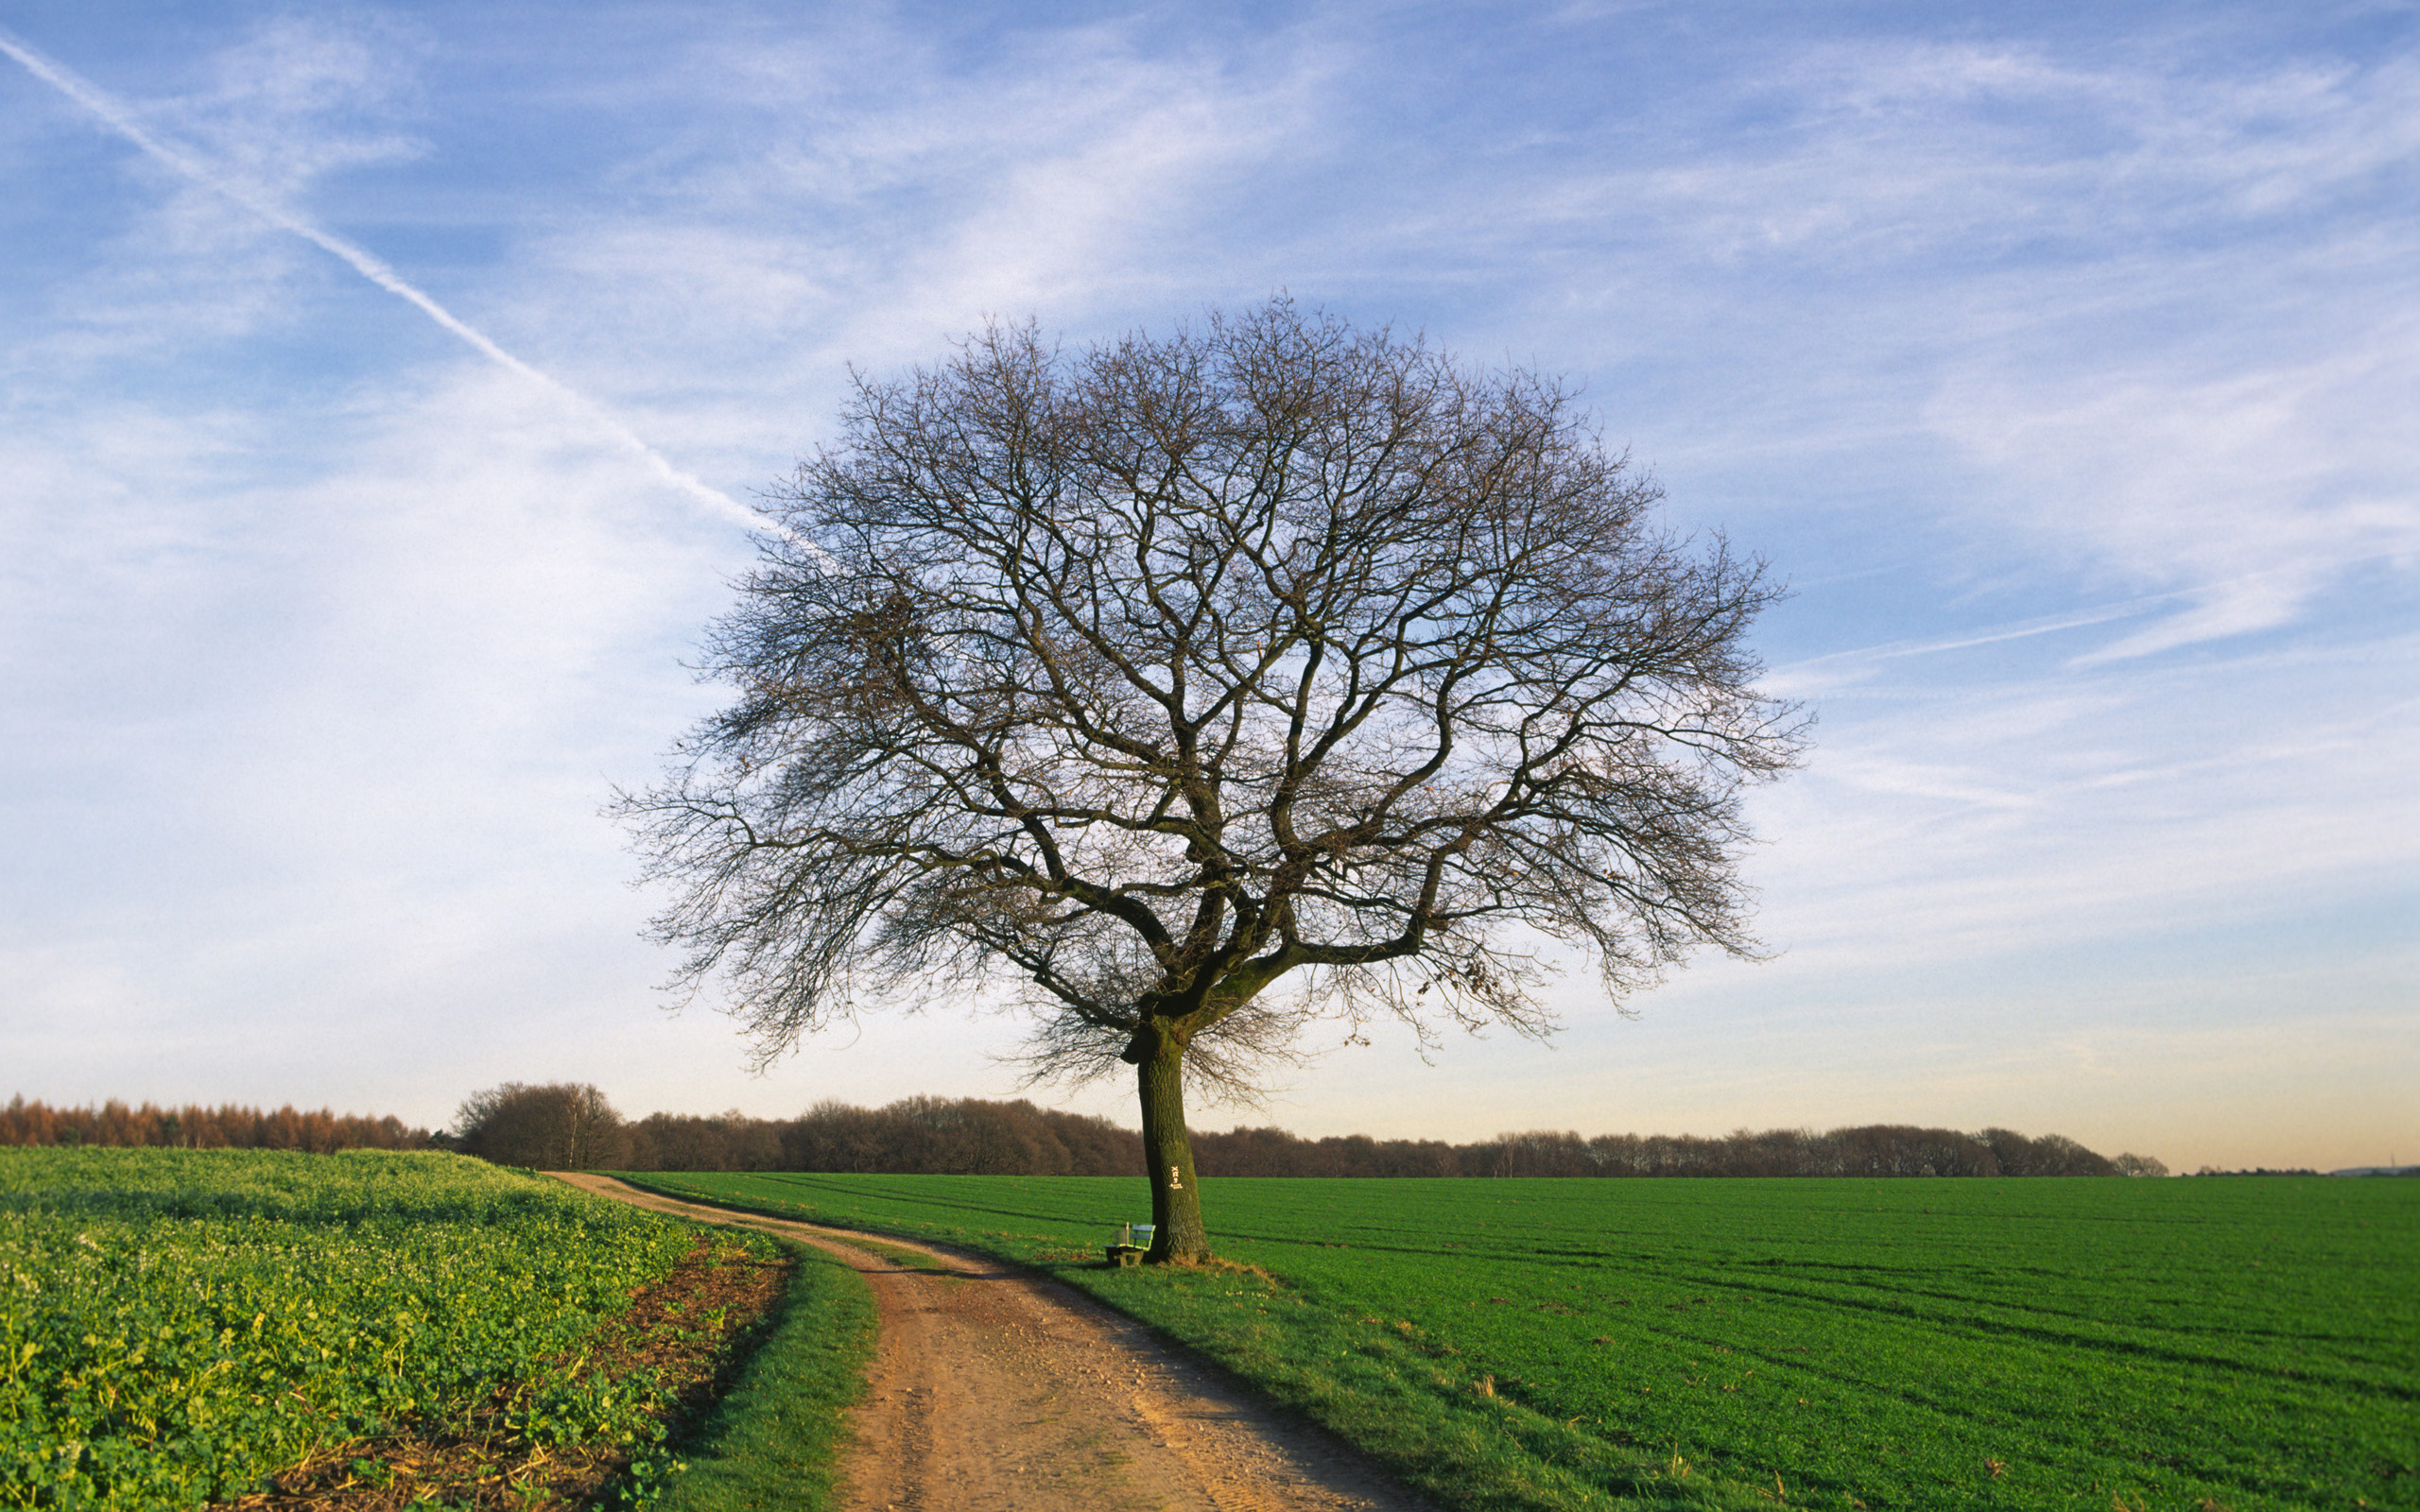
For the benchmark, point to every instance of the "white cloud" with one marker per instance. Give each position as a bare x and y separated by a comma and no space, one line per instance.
898,202
342,733
2029,356
1966,819
2256,486
304,98
1905,145
2135,310
296,102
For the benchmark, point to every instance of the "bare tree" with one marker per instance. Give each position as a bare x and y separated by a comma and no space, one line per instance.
1149,678
559,1126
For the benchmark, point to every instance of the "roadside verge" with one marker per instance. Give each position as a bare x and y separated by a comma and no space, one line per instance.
775,1436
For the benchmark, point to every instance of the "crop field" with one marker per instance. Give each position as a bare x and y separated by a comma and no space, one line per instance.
175,1324
2244,1343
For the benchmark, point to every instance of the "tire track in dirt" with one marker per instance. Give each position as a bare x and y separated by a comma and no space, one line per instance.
992,1390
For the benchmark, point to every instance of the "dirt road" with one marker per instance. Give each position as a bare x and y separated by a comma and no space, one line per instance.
993,1390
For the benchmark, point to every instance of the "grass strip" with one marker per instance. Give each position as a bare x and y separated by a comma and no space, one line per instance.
773,1440
916,1260
1411,1401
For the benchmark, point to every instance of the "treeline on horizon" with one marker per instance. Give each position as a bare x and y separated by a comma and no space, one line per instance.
572,1127
194,1127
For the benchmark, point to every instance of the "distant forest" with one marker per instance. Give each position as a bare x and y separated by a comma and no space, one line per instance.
527,1125
570,1126
228,1127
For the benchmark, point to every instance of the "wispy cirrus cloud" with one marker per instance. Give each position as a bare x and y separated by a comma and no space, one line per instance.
1989,815
2050,360
246,192
2269,482
298,100
894,194
2139,298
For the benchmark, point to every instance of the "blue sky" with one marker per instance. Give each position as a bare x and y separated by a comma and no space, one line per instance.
2064,360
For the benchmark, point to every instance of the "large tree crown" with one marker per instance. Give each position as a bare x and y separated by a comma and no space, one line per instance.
1154,674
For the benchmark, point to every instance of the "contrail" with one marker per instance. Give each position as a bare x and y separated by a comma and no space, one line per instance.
377,271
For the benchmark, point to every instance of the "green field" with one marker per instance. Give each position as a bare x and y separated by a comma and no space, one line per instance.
2239,1343
176,1324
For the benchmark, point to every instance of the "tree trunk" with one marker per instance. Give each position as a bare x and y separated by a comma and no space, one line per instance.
1177,1233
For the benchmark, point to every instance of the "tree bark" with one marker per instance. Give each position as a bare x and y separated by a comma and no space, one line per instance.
1177,1233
